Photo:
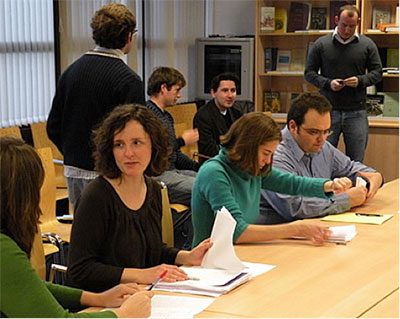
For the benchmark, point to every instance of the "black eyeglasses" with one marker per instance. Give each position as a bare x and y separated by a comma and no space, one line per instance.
315,132
134,31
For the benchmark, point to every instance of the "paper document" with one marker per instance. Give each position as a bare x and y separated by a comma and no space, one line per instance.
222,255
342,234
362,218
221,270
360,182
177,306
203,284
163,306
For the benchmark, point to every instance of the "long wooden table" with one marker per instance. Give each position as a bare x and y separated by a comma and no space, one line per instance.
360,279
332,281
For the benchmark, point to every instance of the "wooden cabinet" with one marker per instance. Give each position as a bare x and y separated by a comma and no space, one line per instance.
293,81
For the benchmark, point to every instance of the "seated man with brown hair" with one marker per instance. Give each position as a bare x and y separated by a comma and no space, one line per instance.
304,151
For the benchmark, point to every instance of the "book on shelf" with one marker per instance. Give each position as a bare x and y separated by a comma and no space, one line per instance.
272,102
283,60
381,15
392,58
334,8
280,20
267,19
270,59
319,18
388,27
299,16
397,15
297,60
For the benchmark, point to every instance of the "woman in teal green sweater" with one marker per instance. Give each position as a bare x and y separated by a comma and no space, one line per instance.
236,175
22,292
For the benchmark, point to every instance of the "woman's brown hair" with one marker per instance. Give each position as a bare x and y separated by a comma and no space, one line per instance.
114,123
245,136
22,176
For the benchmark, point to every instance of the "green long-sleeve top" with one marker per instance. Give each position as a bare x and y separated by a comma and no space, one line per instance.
220,183
23,294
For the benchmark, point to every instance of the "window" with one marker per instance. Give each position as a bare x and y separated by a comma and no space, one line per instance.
26,60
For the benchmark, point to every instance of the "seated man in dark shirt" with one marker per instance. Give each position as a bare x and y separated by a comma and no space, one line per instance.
164,87
216,117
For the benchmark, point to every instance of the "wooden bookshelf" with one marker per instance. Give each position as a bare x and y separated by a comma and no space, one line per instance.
293,81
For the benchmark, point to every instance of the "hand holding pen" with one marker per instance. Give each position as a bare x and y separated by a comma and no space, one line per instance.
155,282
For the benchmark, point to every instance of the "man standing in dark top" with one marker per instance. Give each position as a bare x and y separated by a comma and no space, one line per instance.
89,89
216,117
342,58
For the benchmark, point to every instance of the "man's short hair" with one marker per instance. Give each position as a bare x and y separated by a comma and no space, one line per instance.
228,76
164,75
304,102
351,10
111,25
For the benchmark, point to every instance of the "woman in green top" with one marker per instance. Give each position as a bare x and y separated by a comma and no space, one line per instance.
235,176
22,292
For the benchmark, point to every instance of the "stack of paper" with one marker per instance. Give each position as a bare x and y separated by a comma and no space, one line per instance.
342,234
208,282
221,270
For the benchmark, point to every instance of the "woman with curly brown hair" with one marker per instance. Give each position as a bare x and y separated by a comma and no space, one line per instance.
116,234
22,292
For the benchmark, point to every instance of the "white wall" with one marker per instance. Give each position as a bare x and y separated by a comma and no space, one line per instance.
232,17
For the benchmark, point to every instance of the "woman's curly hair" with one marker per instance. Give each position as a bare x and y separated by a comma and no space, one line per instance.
103,138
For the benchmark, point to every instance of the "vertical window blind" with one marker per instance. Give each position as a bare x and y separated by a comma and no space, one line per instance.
26,61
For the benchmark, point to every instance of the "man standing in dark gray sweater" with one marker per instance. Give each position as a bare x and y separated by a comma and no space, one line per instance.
89,89
337,64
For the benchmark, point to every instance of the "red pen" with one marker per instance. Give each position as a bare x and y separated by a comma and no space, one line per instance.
155,282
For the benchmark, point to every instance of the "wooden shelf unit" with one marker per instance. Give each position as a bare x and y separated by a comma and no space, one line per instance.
293,81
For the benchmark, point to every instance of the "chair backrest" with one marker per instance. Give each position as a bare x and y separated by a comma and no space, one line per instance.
41,139
48,190
167,224
183,113
11,131
37,255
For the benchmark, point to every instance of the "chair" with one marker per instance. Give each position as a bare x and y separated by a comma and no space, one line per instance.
49,222
38,253
11,131
183,115
167,225
40,140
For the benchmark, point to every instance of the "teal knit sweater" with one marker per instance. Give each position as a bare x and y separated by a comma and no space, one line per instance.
220,183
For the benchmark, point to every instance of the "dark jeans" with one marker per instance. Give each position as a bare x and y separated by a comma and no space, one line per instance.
354,126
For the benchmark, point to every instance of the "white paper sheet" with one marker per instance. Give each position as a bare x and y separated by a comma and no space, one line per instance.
360,182
222,255
163,306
